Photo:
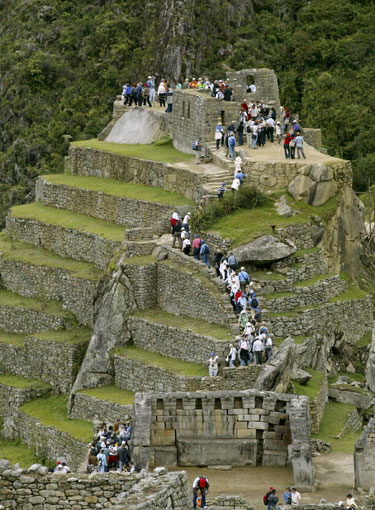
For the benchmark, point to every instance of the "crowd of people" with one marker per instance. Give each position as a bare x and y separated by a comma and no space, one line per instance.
110,450
141,94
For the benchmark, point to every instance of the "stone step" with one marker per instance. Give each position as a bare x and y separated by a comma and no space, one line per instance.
65,233
51,356
36,272
22,315
110,200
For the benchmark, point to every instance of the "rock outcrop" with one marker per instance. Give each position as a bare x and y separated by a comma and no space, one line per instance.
370,366
264,249
314,185
276,374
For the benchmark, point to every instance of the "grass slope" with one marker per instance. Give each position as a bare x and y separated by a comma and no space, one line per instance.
312,387
68,219
23,252
17,452
172,365
120,189
245,225
111,394
69,336
200,327
12,339
52,411
22,383
164,152
8,298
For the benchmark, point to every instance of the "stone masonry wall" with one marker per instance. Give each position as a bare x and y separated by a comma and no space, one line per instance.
264,79
50,442
364,451
186,293
68,243
121,210
347,315
52,362
27,321
37,489
317,406
77,294
84,161
11,398
174,342
90,408
143,280
308,266
138,377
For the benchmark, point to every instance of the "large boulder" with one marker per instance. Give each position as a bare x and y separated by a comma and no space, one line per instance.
275,375
283,208
301,187
137,125
264,249
314,184
323,191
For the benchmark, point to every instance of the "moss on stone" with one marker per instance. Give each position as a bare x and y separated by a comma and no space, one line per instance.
16,381
198,326
172,365
120,189
13,300
70,220
365,340
351,293
164,152
276,295
52,411
77,335
17,251
307,251
110,394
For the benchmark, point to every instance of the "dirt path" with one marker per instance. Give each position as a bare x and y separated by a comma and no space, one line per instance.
334,475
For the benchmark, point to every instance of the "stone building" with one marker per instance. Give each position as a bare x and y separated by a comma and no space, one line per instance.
265,80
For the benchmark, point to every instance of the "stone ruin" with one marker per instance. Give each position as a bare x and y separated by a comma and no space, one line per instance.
364,455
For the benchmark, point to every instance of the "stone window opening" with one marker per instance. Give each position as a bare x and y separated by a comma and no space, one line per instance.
179,403
238,402
159,404
188,111
217,403
183,109
198,403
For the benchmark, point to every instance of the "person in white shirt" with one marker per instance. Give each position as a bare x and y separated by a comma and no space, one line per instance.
253,88
186,246
268,347
200,487
232,355
185,222
213,365
270,127
258,350
237,165
296,496
176,216
235,185
278,132
350,503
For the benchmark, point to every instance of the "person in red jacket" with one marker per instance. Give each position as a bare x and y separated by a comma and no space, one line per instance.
286,145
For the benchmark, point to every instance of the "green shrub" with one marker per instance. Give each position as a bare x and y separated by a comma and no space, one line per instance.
364,172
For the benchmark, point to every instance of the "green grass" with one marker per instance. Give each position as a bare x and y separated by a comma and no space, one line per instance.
8,298
276,295
365,340
52,411
312,281
67,219
120,189
11,338
19,453
140,260
22,383
334,420
164,152
264,275
27,253
312,387
283,314
351,293
172,365
110,394
297,340
200,327
307,251
245,225
69,336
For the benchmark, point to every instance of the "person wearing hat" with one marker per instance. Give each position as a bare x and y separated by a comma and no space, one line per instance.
278,132
186,246
244,278
200,84
123,456
193,84
296,127
213,365
221,191
287,496
219,134
185,221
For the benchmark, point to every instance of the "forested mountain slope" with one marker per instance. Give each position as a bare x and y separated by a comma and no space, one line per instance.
62,62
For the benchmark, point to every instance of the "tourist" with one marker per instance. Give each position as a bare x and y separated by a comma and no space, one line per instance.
350,503
288,496
178,85
241,301
296,127
273,499
286,145
205,253
278,132
254,112
169,101
235,185
254,134
102,461
185,221
162,93
221,191
243,278
218,255
123,456
139,95
196,247
270,127
299,145
197,147
193,84
184,235
177,234
296,496
213,365
292,146
240,175
146,96
126,94
240,131
286,120
219,134
258,350
244,352
232,355
233,264
268,346
227,93
186,246
92,462
249,330
262,132
200,489
151,88
243,318
248,133
112,456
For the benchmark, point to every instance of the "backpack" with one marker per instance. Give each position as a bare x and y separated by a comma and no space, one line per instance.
254,302
194,147
248,129
206,250
202,482
265,500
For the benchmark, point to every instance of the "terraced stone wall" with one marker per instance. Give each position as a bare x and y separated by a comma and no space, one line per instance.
303,267
186,293
50,442
38,489
27,321
77,294
136,376
54,363
84,161
304,235
239,428
173,342
143,281
92,409
347,315
68,243
11,398
317,406
123,211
